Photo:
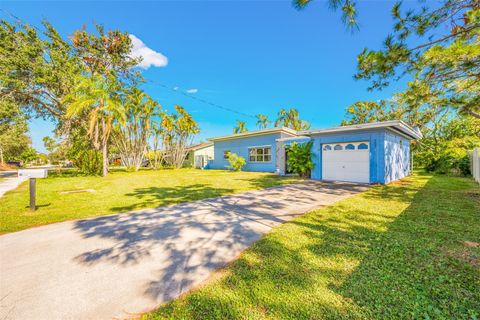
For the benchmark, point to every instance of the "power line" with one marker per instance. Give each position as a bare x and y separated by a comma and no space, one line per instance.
216,105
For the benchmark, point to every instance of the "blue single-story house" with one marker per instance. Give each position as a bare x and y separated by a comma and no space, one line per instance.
368,153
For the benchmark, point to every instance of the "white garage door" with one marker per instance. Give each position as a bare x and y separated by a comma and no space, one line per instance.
346,162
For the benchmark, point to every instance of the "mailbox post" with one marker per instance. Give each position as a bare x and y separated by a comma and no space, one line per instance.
33,174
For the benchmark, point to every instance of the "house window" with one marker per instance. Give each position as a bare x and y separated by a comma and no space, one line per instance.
338,147
350,147
327,147
225,154
260,154
362,146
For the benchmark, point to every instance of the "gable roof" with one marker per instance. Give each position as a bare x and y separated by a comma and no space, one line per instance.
255,133
394,125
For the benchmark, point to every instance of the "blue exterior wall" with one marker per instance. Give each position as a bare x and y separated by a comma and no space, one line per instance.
389,152
375,137
397,156
240,147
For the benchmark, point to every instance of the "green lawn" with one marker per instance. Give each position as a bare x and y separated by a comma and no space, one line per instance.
121,191
409,250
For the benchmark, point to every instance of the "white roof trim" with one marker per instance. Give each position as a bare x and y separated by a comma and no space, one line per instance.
255,133
396,124
294,138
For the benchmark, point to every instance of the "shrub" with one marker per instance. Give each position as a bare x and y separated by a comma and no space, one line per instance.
300,158
453,157
88,162
236,162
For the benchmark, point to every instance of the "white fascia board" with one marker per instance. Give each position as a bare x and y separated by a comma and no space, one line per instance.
294,138
255,133
398,124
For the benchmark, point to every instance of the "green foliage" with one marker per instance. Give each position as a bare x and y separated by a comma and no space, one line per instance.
88,161
95,102
444,66
29,154
291,119
56,150
177,132
81,151
83,85
37,70
236,162
300,158
240,128
262,121
13,131
452,156
130,137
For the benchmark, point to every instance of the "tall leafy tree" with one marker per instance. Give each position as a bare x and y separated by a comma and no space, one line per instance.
178,131
240,127
96,99
444,65
106,53
37,69
291,119
262,121
131,136
106,70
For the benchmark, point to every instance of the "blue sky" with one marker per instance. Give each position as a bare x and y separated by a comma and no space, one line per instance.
250,56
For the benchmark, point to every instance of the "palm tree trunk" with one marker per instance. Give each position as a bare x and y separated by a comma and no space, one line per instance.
105,159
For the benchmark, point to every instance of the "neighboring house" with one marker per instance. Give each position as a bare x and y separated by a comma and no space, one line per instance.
369,153
199,155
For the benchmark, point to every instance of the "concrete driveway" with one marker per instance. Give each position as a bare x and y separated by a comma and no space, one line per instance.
121,265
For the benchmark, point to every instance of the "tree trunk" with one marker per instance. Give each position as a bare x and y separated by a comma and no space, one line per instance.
105,159
1,156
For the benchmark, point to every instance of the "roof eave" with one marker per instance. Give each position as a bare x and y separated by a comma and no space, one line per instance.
398,124
254,133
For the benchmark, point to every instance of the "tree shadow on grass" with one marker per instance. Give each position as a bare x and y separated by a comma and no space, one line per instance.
356,261
161,196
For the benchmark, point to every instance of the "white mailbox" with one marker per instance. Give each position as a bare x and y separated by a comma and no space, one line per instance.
33,173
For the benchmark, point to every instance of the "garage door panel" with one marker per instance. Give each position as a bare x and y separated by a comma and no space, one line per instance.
346,165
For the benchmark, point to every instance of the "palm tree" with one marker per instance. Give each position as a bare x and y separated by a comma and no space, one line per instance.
282,119
291,119
262,121
240,128
96,98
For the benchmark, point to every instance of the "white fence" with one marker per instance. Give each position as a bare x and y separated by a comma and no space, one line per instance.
475,164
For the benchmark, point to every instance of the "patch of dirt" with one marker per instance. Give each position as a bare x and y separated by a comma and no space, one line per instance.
466,255
400,183
471,244
474,195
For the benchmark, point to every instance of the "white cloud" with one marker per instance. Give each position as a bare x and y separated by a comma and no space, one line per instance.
150,57
175,88
193,90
